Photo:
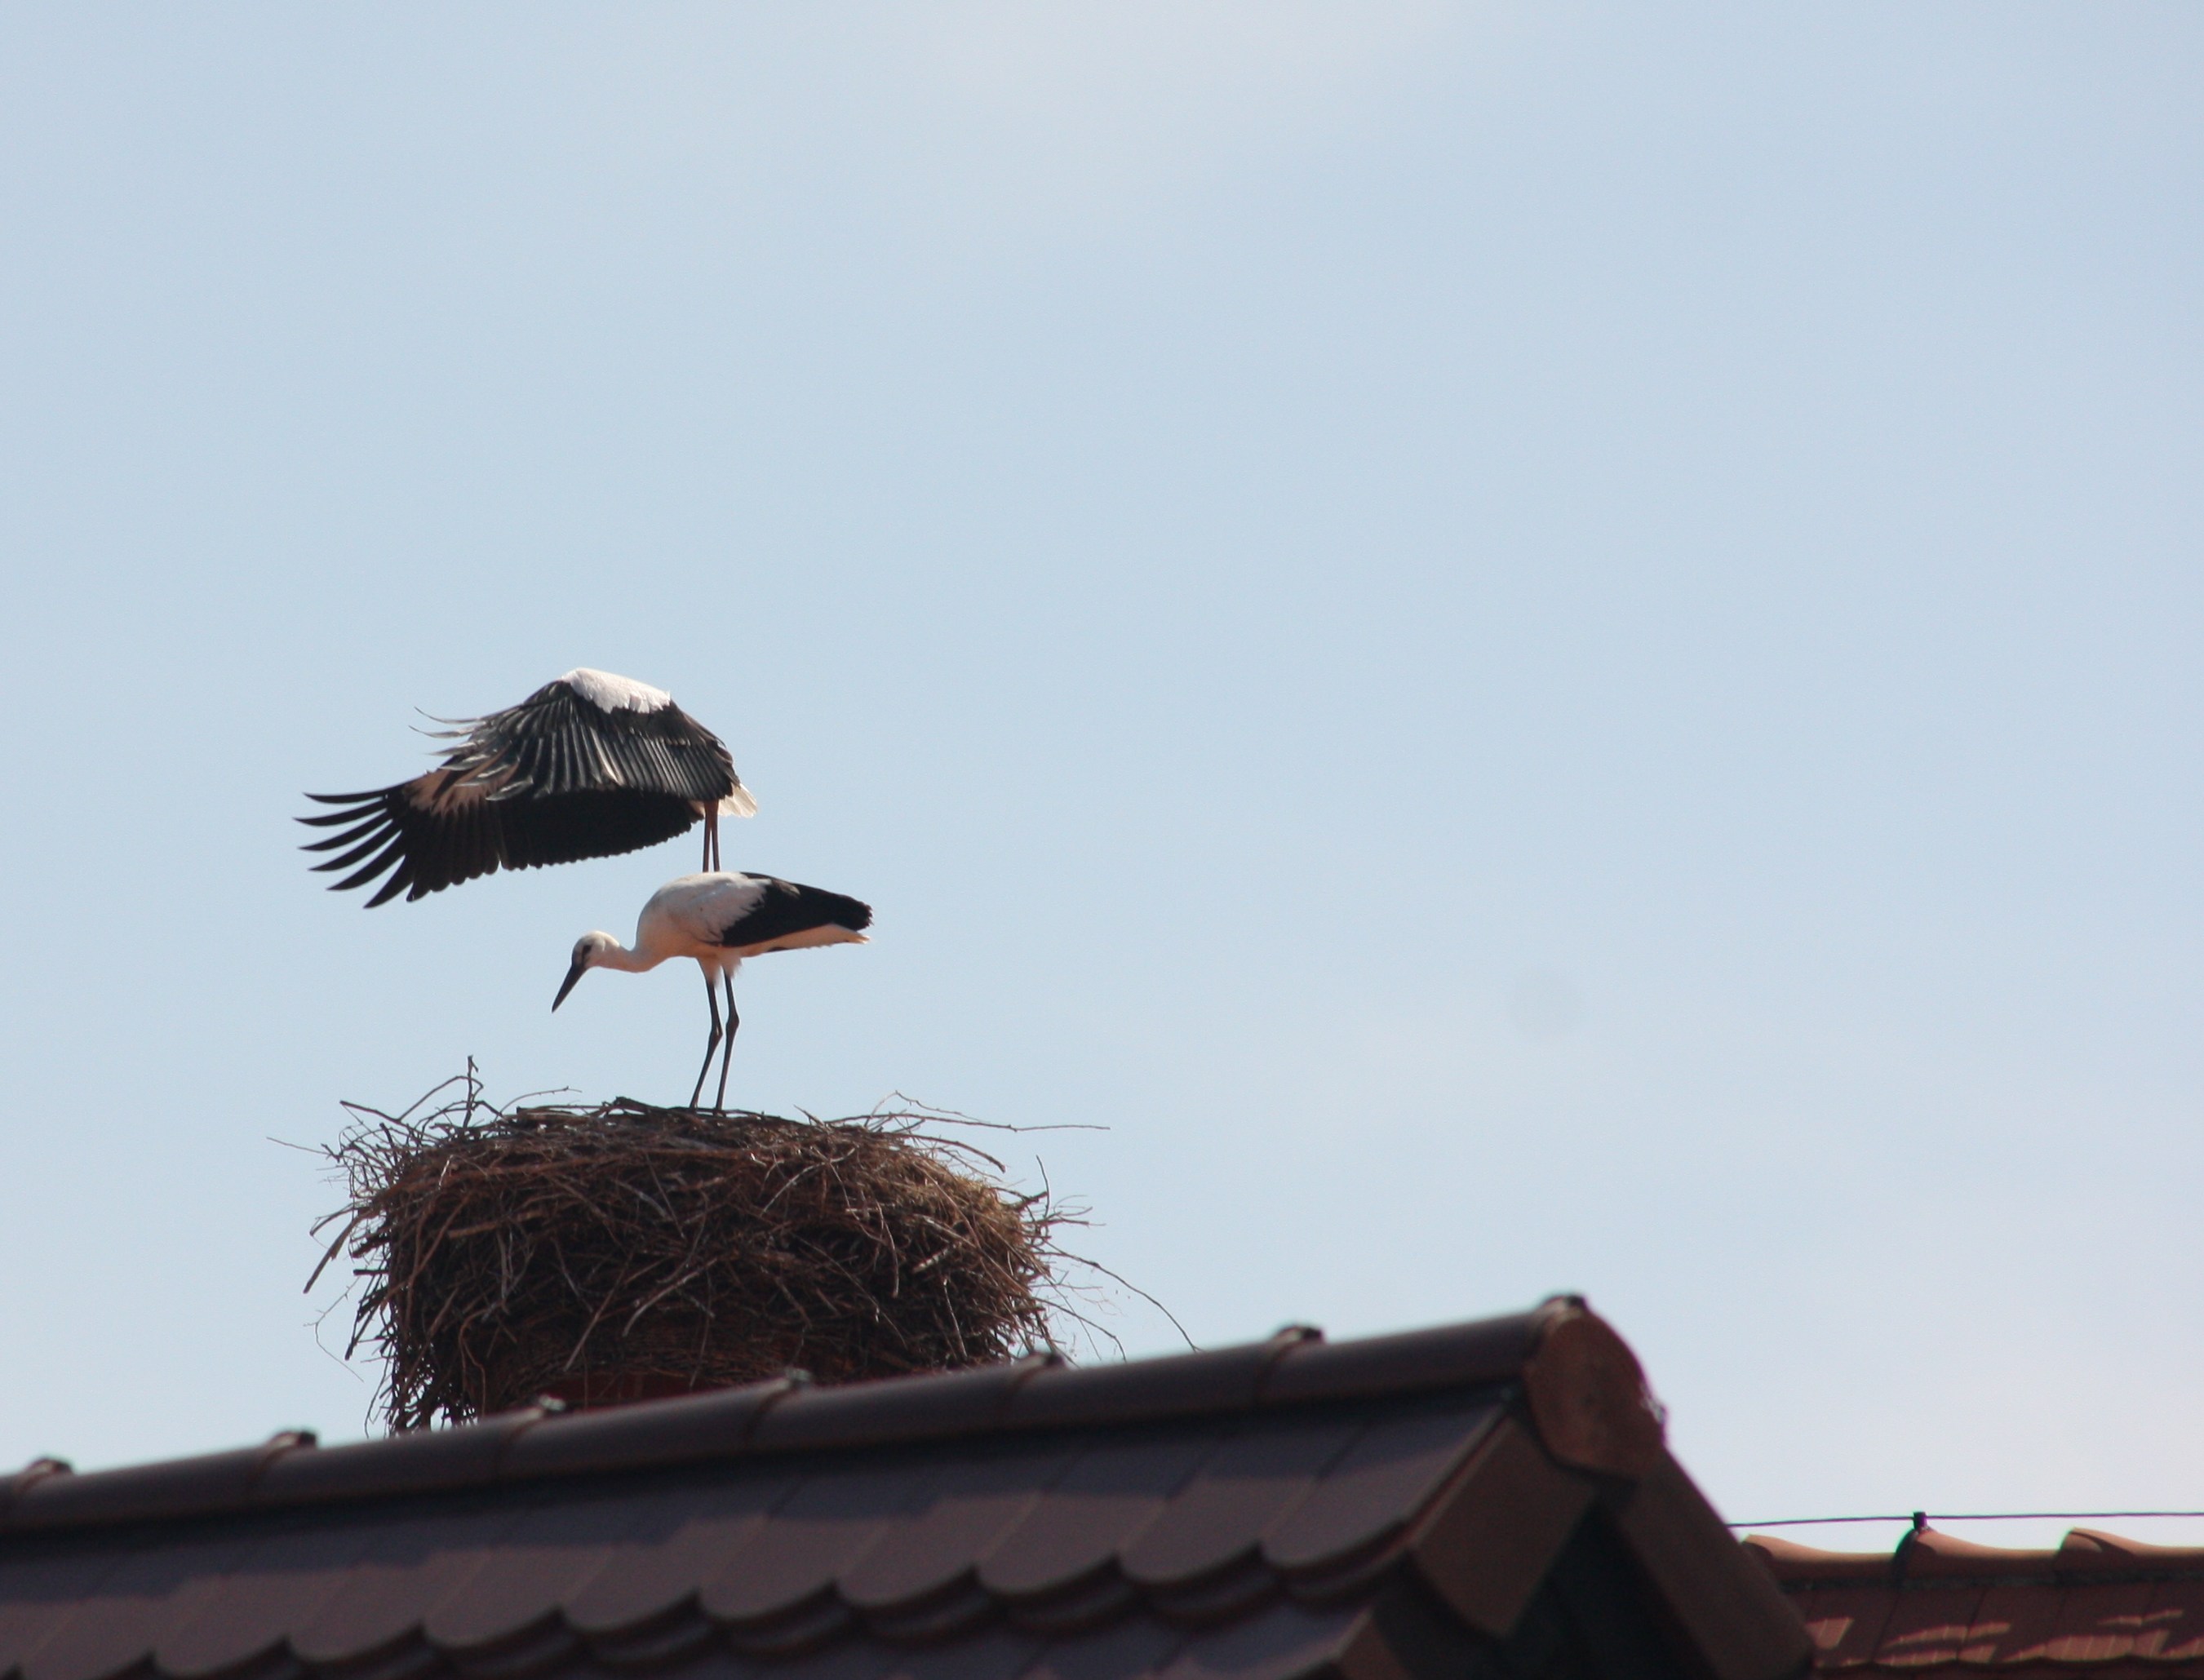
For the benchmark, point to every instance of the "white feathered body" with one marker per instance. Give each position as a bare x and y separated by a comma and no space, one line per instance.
704,917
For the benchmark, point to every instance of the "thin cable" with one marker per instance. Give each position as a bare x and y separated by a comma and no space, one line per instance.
1917,1518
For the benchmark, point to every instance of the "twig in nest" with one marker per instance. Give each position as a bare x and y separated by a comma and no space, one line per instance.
504,1251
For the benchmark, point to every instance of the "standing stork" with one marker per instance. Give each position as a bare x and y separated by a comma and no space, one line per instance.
588,766
719,919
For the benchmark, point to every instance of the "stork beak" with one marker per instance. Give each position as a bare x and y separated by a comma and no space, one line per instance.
567,984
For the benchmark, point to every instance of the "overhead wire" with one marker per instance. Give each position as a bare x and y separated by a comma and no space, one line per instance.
1921,1519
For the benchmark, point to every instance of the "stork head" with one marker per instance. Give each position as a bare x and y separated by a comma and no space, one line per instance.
589,952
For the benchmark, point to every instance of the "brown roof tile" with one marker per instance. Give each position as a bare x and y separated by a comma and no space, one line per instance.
410,1567
1113,1490
683,1536
2018,1615
1670,1527
39,1593
111,1629
281,1585
1934,1556
539,1566
1146,1390
1458,1355
1280,1645
2099,1605
425,1462
1285,1509
1133,1647
1254,1479
900,1409
1844,1620
2176,1616
997,1654
1394,1470
1487,1557
1927,1629
2098,1623
2091,1551
1800,1567
822,1529
978,1501
684,1430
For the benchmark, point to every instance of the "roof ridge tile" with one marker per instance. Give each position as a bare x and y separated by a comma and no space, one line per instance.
894,1410
419,1461
136,1493
1788,1561
1293,1367
1485,1351
1932,1554
1928,1554
2094,1551
1214,1379
28,1477
644,1435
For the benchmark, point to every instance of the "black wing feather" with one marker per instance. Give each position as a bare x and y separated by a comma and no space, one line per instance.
390,854
397,883
436,836
374,842
552,780
576,825
345,838
787,907
556,742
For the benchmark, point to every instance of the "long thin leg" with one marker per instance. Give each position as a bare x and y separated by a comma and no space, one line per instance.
711,996
711,839
726,1056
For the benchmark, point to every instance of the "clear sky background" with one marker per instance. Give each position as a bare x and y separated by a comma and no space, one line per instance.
1535,647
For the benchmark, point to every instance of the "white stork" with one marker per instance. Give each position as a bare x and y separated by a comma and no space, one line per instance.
719,919
588,766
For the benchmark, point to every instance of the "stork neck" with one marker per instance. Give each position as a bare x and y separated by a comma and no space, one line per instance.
633,962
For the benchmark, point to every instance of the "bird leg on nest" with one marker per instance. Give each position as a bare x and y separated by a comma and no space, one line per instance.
727,1055
711,996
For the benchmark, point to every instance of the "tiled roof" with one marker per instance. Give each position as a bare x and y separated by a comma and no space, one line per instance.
1492,1496
2110,1608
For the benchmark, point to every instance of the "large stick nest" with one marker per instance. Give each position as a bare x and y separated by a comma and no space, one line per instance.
505,1253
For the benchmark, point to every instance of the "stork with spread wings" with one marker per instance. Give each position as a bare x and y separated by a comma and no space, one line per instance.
588,766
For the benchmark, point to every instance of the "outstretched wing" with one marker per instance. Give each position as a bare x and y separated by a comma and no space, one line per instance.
588,766
589,733
443,828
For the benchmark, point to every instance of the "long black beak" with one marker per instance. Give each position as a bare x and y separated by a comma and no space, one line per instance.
567,984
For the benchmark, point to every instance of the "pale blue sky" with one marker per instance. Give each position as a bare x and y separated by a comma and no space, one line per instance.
1535,647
